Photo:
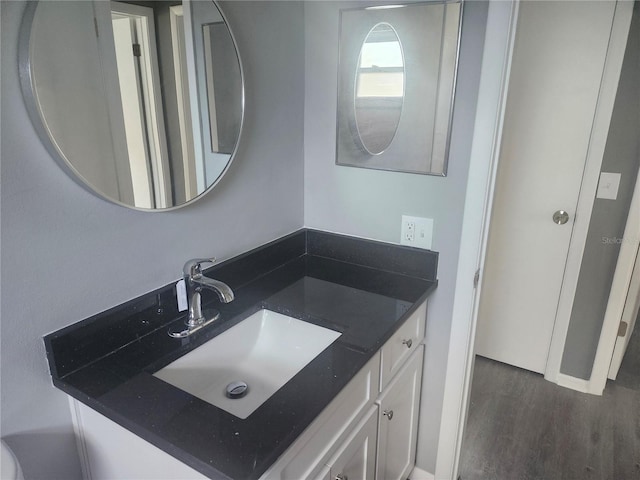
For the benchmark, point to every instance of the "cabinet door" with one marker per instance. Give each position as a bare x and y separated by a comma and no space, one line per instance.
398,421
321,440
356,458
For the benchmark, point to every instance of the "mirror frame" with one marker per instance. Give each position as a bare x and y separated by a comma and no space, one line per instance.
343,72
37,118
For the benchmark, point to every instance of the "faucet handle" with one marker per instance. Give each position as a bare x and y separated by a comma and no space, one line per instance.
193,267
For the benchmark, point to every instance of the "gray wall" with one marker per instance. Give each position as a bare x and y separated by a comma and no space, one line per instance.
67,254
370,203
608,218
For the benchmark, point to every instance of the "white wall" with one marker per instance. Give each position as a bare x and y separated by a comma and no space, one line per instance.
67,255
369,203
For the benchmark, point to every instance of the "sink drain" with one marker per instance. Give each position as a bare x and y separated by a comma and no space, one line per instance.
237,389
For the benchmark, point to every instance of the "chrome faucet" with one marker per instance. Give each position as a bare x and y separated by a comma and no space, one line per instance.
195,281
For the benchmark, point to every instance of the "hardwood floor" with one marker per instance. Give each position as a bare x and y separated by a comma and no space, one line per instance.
522,427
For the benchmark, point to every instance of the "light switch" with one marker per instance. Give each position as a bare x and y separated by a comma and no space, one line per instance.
608,186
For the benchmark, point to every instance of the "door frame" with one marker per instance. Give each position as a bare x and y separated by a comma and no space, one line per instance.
620,290
630,316
497,54
485,150
188,135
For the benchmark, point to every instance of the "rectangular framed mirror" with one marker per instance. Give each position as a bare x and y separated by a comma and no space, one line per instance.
396,86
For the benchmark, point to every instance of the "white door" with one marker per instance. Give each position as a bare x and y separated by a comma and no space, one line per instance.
556,72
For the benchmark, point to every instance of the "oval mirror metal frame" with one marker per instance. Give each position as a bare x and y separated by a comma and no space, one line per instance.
39,123
430,34
355,125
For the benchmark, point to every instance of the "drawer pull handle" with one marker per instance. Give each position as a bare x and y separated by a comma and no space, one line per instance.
388,414
341,476
408,343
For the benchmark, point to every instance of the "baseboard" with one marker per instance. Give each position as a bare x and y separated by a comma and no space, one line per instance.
419,474
573,383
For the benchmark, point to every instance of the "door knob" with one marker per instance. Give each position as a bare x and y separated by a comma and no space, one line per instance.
560,217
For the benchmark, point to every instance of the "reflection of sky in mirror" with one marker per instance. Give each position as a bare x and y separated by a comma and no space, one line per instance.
381,54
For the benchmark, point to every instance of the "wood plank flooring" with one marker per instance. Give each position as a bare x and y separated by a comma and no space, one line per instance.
522,427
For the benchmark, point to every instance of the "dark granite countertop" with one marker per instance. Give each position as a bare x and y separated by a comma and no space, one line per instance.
108,361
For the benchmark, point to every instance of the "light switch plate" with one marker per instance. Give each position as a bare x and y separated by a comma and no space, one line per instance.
608,186
416,232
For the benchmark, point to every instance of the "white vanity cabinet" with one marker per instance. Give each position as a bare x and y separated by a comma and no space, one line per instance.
383,445
356,437
400,362
313,451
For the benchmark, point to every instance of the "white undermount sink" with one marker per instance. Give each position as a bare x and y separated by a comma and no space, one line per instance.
264,351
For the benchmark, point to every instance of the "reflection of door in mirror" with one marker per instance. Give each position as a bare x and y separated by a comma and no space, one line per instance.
183,103
137,78
207,38
223,87
195,15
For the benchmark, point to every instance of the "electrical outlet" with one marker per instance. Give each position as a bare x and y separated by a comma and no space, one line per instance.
409,231
416,232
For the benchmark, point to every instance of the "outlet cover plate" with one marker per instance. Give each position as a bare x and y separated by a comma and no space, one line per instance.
416,232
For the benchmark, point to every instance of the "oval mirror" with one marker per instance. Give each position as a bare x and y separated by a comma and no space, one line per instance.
141,102
379,89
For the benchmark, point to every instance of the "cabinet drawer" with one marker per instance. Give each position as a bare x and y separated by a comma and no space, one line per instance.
402,344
